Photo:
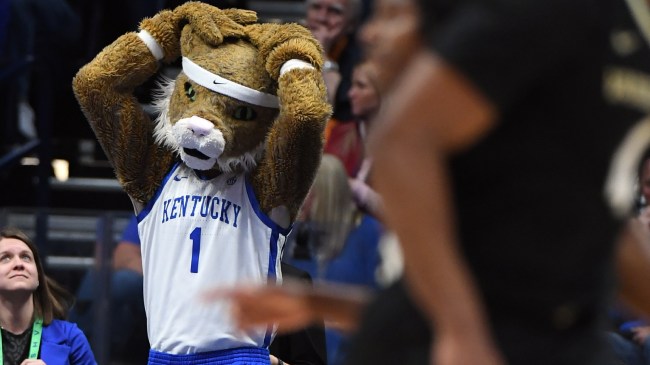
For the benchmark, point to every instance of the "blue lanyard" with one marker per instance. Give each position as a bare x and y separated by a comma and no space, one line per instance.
34,344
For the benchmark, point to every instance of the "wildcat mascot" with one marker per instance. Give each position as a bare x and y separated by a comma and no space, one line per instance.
218,177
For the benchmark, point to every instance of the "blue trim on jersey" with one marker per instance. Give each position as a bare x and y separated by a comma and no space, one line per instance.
238,356
276,230
268,336
155,197
275,235
261,215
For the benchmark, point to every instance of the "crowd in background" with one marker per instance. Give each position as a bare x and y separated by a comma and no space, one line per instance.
341,235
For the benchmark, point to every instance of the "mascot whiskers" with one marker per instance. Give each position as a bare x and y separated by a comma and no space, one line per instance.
218,178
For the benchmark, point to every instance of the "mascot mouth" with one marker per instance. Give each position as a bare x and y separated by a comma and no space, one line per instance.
195,153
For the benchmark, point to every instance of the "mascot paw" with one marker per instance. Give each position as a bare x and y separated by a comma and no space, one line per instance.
279,43
213,24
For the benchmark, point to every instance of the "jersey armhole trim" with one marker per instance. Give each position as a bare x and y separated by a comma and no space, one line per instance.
145,211
260,214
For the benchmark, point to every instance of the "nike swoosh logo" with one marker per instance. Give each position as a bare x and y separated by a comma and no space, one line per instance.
178,178
218,83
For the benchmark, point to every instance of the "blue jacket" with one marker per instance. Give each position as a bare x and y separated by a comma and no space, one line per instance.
63,343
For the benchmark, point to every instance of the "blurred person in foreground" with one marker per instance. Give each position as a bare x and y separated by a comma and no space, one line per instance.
507,123
629,335
33,309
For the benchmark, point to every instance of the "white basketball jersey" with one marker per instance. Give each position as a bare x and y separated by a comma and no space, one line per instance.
196,235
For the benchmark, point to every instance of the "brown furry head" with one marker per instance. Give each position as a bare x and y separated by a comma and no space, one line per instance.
235,106
209,130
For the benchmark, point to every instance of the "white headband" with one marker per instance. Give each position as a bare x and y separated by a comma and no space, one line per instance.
223,86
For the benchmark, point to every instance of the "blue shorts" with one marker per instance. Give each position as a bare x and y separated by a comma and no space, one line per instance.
238,356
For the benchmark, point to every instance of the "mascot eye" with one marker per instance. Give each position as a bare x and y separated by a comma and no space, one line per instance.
189,91
244,113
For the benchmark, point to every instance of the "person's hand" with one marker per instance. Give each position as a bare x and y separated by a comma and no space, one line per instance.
639,334
462,350
33,362
294,305
276,361
287,306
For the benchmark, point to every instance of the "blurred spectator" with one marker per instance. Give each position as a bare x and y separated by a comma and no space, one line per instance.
305,346
128,326
342,240
4,22
365,101
41,30
334,24
630,339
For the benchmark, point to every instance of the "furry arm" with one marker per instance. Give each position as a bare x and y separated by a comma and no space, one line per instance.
295,141
104,89
279,43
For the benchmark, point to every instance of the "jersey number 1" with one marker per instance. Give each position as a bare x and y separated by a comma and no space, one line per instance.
195,236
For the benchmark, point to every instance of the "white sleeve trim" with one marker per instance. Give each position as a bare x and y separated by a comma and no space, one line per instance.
292,64
152,44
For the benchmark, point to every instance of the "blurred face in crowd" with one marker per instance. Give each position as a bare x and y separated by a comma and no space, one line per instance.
363,94
391,37
18,270
330,19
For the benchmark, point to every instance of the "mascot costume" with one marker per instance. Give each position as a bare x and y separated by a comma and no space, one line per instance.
218,177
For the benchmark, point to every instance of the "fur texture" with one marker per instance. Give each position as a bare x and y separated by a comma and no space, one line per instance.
280,148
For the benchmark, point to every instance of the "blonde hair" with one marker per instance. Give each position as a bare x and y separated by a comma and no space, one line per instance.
332,209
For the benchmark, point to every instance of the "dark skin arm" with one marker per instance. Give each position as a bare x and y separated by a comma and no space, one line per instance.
435,112
419,211
295,305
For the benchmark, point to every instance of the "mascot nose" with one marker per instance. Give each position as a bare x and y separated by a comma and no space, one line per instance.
199,126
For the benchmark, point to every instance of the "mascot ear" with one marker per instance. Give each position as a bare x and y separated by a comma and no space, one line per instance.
279,43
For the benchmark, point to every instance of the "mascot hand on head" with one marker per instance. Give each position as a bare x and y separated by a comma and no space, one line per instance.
219,176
